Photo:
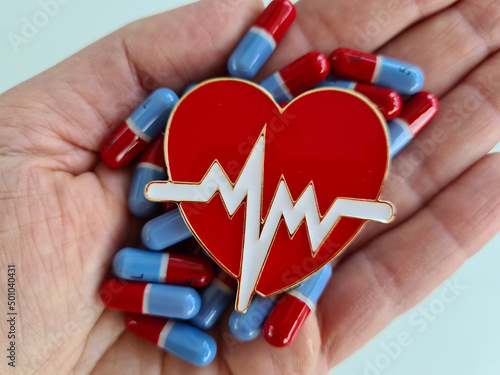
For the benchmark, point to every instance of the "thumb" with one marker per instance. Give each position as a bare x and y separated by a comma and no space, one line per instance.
76,104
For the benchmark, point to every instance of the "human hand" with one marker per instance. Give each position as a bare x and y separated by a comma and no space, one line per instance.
65,212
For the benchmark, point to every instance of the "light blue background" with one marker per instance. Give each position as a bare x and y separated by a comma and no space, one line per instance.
464,338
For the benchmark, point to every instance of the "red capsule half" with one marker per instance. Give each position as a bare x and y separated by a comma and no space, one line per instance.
293,307
122,147
355,65
285,320
419,110
143,125
387,101
297,77
146,327
166,268
277,18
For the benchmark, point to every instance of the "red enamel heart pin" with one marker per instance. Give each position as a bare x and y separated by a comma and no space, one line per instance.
274,194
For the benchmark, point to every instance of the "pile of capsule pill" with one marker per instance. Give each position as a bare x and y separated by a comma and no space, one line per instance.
173,292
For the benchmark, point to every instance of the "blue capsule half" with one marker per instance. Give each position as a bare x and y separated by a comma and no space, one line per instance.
276,89
251,54
399,136
247,326
405,79
165,230
173,301
314,286
152,115
138,204
214,301
190,343
140,265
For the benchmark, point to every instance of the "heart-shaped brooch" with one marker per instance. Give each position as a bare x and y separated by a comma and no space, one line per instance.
273,194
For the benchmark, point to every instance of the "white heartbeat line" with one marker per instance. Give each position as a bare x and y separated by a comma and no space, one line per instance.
257,243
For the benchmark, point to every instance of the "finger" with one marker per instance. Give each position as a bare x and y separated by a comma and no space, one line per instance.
128,355
450,44
464,131
105,332
466,128
82,99
398,269
324,25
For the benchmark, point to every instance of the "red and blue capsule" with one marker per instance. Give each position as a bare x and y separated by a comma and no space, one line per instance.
165,268
418,111
379,70
387,101
143,125
180,339
170,301
214,300
297,77
261,40
151,167
293,307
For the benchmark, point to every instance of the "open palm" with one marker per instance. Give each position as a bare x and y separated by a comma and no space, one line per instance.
64,213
